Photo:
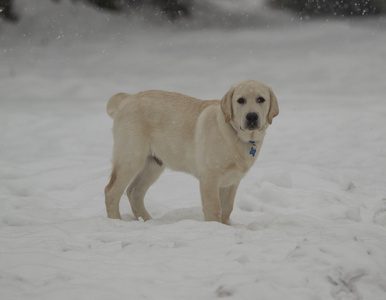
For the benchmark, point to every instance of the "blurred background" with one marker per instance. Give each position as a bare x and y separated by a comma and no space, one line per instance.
323,40
174,9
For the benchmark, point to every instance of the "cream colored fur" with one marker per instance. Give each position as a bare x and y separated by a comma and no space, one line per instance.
208,139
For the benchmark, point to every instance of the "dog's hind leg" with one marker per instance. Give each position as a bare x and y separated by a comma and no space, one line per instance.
121,176
137,189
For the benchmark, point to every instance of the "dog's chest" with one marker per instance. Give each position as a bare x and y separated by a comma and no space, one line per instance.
238,168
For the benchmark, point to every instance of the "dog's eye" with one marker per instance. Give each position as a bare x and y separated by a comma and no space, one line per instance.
260,100
241,101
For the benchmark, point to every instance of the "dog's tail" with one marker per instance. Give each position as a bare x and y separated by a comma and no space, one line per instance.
114,104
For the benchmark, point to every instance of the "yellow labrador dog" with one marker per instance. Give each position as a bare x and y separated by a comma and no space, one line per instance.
215,141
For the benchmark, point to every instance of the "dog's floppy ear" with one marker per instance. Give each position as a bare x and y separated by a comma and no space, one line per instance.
274,108
226,105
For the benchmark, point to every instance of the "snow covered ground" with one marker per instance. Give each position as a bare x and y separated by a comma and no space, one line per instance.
310,217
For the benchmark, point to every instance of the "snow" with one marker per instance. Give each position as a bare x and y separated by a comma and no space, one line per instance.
310,216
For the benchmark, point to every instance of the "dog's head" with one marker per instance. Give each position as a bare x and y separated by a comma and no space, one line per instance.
250,106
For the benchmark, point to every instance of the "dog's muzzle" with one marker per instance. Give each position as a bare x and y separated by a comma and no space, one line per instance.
251,121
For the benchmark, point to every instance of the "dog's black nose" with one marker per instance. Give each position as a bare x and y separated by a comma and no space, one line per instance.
252,117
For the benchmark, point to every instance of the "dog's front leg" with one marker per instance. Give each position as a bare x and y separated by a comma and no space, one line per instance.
227,198
210,197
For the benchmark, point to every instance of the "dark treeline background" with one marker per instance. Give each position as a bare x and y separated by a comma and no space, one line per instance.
174,9
339,8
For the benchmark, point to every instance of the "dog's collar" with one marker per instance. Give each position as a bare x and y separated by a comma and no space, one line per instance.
253,148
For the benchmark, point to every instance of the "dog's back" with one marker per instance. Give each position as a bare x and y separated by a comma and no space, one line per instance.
150,101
